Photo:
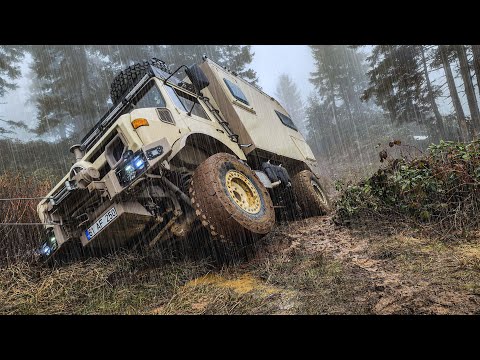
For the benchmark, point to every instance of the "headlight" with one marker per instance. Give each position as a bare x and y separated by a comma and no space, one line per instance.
48,245
133,167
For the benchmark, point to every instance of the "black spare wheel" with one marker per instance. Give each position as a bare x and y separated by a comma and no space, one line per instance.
129,77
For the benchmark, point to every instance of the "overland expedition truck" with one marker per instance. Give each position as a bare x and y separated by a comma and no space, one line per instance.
172,156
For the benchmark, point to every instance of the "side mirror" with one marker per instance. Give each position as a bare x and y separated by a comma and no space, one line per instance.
197,77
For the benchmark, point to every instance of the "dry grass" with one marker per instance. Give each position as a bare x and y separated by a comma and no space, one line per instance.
18,241
308,267
120,284
214,300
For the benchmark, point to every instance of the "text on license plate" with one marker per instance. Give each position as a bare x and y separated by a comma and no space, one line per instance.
101,223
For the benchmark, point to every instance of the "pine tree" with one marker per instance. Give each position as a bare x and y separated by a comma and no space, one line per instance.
339,79
443,58
289,96
237,58
476,63
70,89
10,58
468,85
323,133
396,82
431,93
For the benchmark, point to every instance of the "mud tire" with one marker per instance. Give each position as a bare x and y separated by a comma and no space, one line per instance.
310,194
226,221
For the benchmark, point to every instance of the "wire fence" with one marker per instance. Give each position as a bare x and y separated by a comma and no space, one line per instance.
20,226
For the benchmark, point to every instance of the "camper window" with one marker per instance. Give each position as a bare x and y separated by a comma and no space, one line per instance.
286,120
236,92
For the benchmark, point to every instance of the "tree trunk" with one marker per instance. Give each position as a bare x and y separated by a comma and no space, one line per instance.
352,123
457,105
431,98
469,90
476,63
336,131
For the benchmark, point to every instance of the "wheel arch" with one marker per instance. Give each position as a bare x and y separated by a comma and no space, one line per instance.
212,145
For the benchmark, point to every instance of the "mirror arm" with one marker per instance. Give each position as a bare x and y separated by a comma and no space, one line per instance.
191,109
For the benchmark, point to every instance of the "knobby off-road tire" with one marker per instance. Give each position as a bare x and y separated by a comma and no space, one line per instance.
310,194
127,78
230,200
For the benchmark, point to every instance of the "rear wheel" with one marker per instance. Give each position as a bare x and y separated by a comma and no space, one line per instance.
230,200
310,194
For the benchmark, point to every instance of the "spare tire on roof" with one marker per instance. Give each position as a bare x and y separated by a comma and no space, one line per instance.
129,77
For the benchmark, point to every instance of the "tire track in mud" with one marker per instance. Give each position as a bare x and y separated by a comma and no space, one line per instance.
348,249
320,235
313,266
390,290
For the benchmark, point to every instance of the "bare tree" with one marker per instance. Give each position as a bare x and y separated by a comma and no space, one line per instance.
457,105
469,89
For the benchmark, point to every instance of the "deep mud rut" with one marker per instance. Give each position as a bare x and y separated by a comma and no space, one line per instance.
405,272
315,267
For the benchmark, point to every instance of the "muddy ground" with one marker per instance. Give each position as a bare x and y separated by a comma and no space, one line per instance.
306,267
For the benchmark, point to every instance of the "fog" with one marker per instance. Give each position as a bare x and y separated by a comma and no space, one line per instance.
270,61
188,181
343,99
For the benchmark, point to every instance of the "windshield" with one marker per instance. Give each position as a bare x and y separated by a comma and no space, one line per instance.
184,102
149,96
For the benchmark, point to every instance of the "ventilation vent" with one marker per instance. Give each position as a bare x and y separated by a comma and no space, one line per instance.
165,115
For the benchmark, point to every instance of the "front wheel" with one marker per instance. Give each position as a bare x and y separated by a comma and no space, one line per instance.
230,200
310,194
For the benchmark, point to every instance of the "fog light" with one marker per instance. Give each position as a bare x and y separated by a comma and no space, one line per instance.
139,163
49,245
132,169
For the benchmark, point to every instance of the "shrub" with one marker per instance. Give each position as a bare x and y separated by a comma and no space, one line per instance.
441,186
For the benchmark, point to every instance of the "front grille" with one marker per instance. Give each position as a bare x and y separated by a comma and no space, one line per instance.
101,149
165,115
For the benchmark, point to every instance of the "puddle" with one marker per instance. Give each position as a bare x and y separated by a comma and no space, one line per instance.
241,285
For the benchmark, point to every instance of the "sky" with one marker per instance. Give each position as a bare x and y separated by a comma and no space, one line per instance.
16,105
270,61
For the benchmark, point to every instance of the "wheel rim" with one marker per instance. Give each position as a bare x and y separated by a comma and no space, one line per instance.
319,192
243,192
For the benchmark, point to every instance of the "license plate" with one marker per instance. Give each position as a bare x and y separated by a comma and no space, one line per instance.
101,223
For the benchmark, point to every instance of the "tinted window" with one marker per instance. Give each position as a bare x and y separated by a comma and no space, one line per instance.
148,97
236,92
184,102
286,120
